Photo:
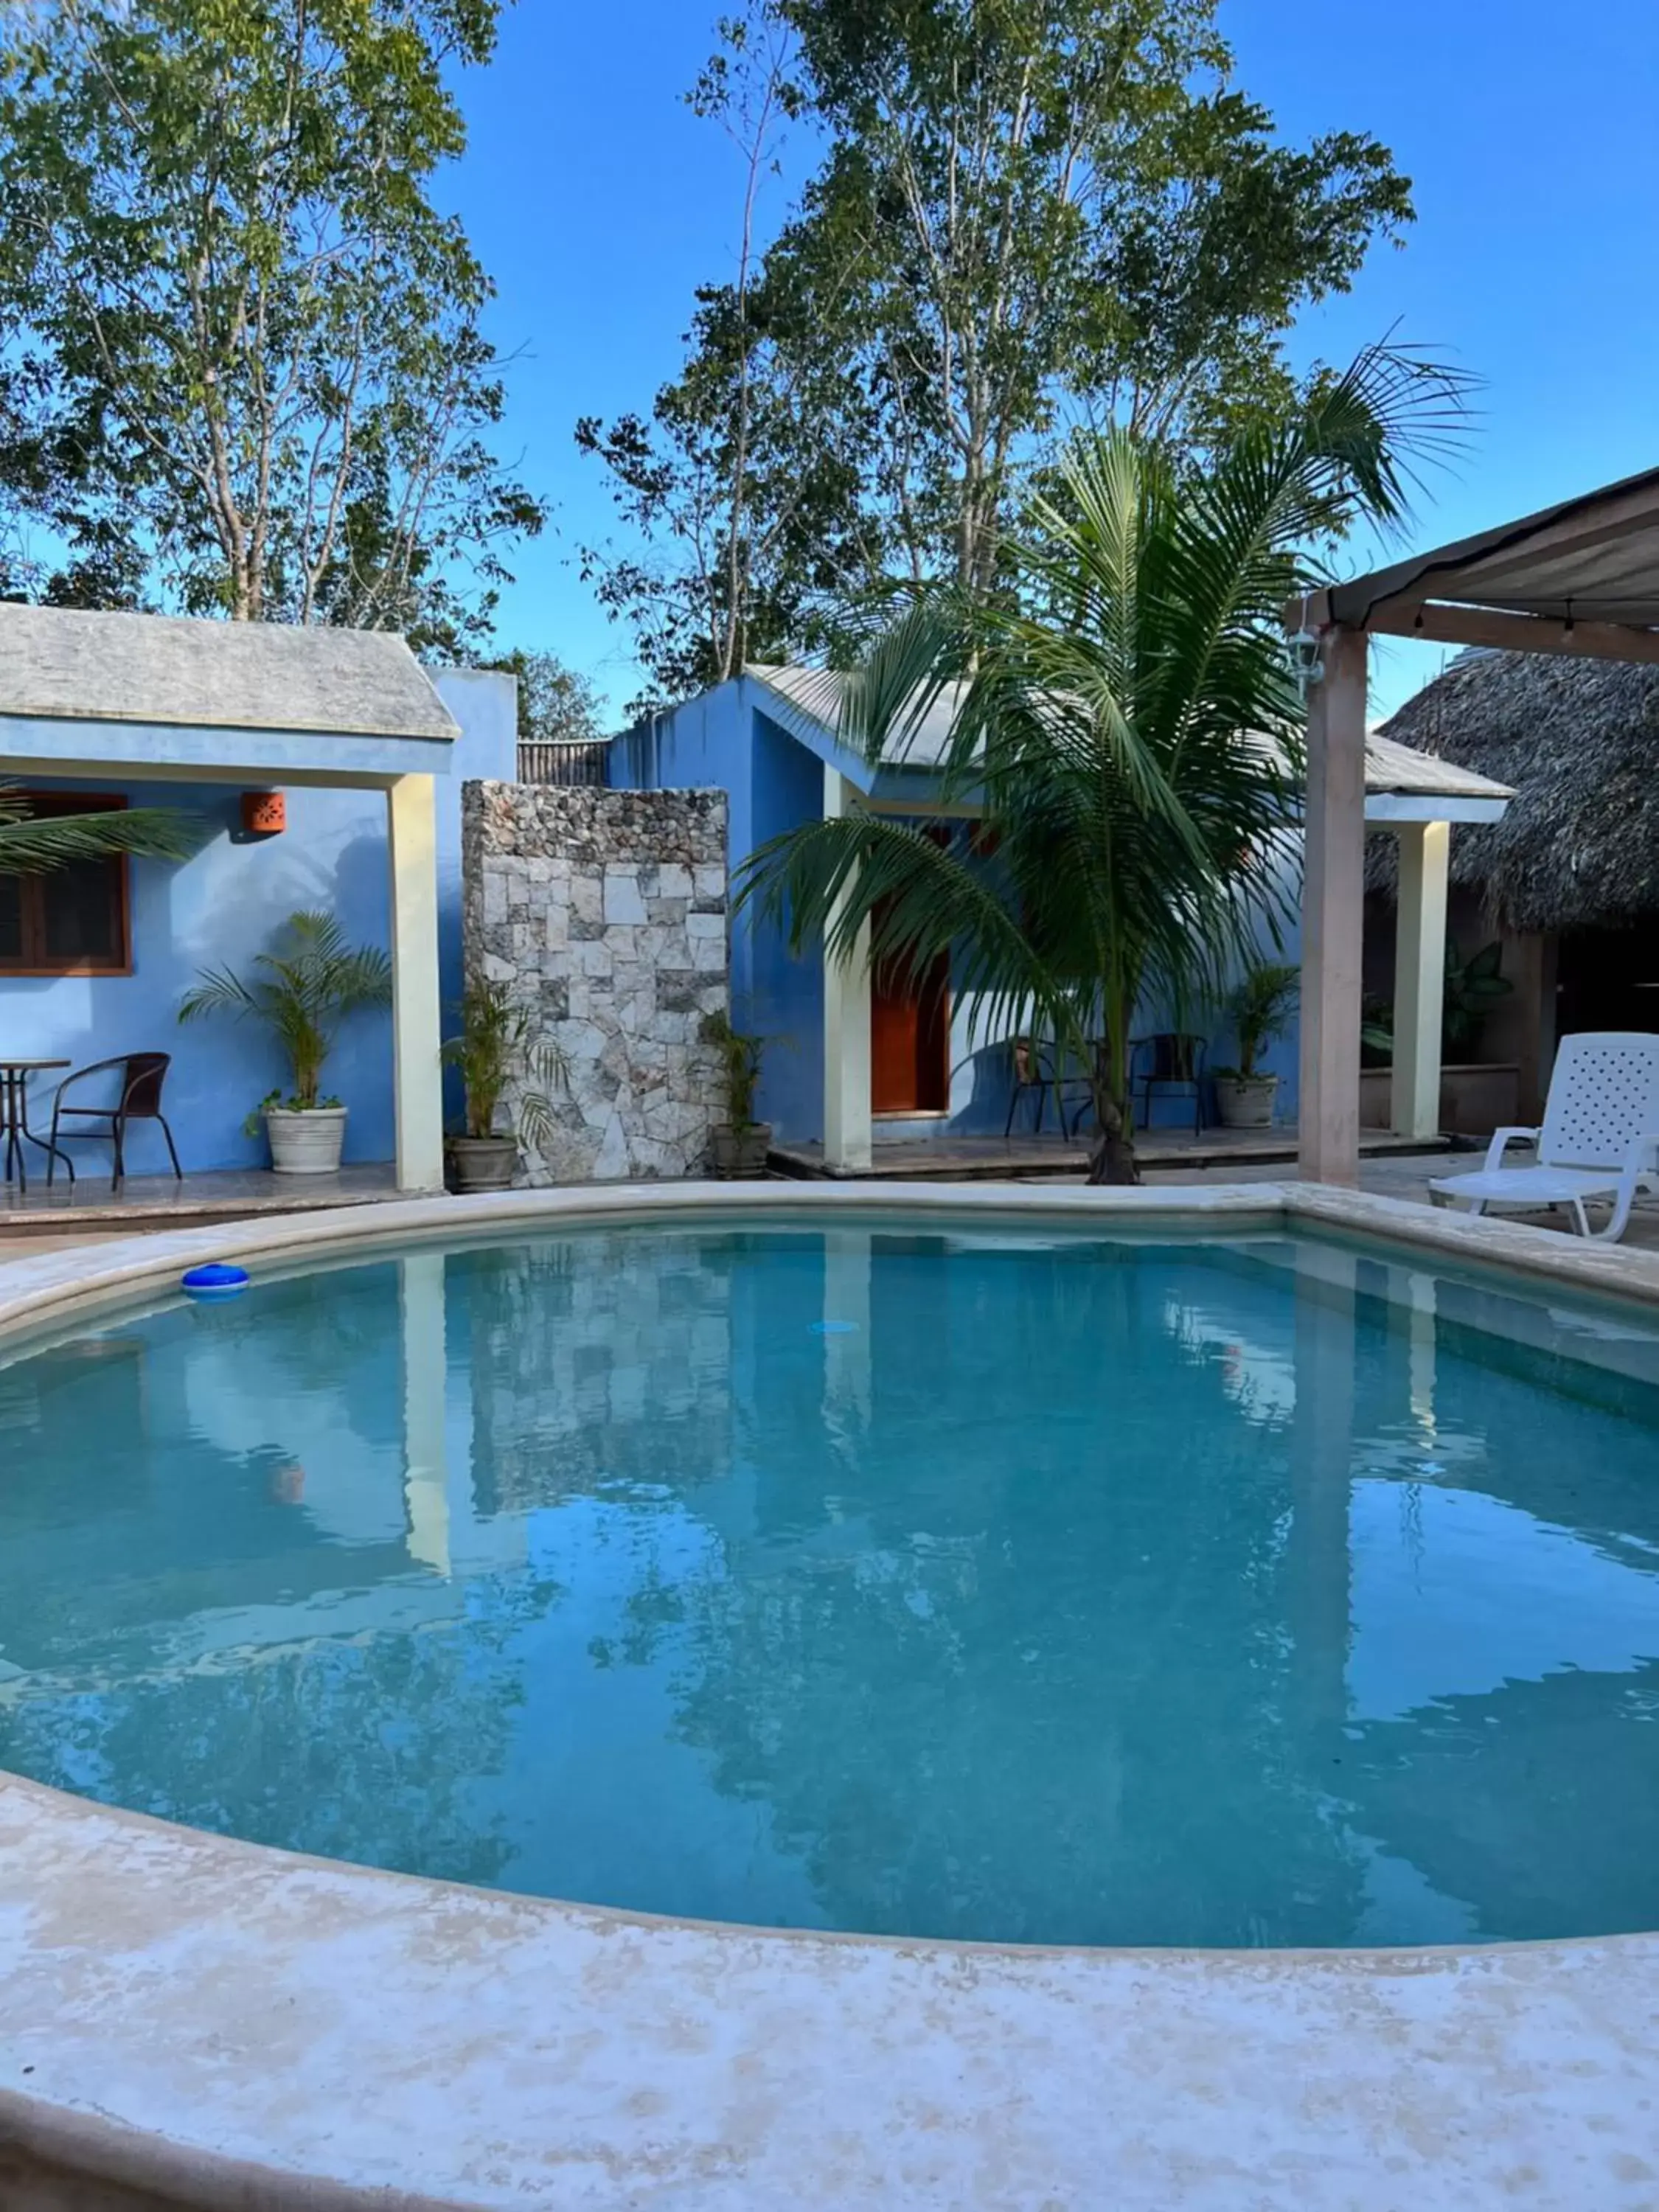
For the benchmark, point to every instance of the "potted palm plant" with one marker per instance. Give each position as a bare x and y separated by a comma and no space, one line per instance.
302,992
1260,1009
739,1145
497,1050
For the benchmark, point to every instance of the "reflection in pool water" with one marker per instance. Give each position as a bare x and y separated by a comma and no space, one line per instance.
1065,1590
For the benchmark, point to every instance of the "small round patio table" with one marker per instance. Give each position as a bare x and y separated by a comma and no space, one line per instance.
15,1116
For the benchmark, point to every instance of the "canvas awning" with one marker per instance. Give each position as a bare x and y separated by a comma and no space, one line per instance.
1582,577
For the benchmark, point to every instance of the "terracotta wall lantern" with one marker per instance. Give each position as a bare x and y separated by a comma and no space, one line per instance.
265,814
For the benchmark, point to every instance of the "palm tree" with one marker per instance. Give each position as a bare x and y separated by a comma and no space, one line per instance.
34,845
1127,732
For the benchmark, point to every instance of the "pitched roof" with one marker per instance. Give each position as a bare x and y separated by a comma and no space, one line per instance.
1390,767
817,692
61,663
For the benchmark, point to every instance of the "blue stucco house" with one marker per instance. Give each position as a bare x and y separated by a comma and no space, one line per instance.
369,751
848,1062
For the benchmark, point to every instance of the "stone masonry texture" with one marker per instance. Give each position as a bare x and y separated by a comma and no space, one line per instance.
606,911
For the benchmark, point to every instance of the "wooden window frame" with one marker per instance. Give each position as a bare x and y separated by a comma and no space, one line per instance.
48,803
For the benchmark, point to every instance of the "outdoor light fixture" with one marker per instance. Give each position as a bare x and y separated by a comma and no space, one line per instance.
1307,661
1307,665
262,814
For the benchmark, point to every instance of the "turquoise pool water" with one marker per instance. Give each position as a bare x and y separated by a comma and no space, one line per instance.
1006,1585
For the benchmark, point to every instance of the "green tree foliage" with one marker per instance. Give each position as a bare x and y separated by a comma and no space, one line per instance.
1125,726
741,493
557,705
1028,214
246,372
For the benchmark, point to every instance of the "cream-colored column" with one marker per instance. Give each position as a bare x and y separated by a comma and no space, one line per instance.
426,1469
412,842
845,1030
1333,914
1420,976
847,1379
1423,1349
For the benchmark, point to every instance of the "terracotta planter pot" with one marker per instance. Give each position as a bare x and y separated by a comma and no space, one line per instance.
305,1143
482,1162
734,1153
1245,1102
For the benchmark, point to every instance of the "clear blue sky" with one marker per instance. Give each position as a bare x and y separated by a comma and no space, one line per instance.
1531,132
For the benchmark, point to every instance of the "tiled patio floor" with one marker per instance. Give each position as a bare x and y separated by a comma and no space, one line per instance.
1022,1158
67,1211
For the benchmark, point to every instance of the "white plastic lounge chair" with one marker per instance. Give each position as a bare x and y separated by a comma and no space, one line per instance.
1600,1138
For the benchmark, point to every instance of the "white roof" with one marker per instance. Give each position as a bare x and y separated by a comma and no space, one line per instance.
817,692
1390,767
63,664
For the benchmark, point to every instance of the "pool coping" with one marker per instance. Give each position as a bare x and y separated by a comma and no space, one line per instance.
220,2024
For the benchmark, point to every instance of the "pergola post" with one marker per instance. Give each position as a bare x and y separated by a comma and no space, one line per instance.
412,850
1420,976
846,1029
1333,914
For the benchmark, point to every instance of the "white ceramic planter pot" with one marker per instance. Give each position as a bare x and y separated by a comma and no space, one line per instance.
308,1143
1245,1102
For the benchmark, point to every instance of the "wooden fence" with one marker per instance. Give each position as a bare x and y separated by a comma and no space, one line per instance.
561,764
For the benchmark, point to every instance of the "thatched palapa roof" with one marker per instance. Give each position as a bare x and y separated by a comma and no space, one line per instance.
1578,741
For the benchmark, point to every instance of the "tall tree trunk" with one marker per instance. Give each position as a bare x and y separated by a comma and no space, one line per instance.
1112,1155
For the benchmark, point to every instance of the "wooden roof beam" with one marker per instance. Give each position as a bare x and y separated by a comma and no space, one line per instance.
1442,624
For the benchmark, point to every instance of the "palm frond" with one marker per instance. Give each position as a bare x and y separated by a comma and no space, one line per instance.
39,844
830,881
217,992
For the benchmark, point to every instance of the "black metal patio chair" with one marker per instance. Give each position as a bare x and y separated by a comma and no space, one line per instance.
1031,1069
1173,1063
136,1095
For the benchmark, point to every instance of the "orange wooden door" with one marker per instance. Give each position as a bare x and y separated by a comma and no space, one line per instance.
910,1041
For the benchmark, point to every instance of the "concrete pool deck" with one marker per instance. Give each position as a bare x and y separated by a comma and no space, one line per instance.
188,2020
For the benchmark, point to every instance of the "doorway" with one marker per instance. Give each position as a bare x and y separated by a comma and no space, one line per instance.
910,1040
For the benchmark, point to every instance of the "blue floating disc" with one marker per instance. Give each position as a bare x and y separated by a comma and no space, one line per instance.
215,1280
833,1328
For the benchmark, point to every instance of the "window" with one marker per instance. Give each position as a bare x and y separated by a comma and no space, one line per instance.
70,921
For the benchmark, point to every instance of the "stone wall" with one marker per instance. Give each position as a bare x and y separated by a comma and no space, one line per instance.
607,910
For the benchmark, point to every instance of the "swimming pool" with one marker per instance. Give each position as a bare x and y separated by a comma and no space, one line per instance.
1007,1581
